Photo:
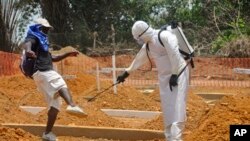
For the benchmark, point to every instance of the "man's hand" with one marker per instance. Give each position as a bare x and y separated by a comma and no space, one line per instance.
173,81
122,77
31,54
73,53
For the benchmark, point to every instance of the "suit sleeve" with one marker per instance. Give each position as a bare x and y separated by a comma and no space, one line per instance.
140,59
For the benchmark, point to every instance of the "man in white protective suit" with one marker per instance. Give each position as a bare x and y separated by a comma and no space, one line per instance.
169,63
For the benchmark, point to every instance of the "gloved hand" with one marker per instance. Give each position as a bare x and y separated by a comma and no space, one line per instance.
173,24
173,81
122,77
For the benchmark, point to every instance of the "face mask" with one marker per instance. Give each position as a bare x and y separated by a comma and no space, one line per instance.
45,30
140,41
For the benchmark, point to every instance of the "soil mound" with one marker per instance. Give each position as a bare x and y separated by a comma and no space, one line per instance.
16,134
196,108
72,65
11,113
227,111
83,85
203,123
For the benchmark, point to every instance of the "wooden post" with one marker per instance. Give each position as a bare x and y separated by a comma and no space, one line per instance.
114,73
97,77
113,57
113,37
95,34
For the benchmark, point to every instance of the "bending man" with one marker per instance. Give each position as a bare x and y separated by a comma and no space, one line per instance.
169,63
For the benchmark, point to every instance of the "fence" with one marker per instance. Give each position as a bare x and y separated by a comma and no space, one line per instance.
9,63
207,72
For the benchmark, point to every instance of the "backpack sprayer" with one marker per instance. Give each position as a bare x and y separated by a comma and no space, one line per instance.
184,47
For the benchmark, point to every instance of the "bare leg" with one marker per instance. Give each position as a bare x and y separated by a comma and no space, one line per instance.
52,114
72,108
65,94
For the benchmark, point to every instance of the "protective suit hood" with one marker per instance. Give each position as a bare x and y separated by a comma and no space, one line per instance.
141,30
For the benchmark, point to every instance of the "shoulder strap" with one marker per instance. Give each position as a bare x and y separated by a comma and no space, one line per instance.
187,56
147,47
159,38
147,50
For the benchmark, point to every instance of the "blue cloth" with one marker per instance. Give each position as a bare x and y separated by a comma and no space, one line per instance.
43,38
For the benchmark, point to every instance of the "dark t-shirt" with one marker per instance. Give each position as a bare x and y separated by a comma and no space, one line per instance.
44,58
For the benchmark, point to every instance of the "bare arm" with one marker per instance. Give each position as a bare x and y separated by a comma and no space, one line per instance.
27,47
56,58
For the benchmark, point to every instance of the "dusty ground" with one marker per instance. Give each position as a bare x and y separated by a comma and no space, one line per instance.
11,134
204,122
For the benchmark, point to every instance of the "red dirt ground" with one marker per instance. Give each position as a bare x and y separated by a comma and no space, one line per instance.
204,123
202,119
15,134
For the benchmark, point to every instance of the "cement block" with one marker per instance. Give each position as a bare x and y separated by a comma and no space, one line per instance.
92,132
32,109
212,96
131,113
241,70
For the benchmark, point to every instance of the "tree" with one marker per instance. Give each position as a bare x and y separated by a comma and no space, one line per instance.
100,15
210,24
67,27
231,21
13,15
84,17
203,21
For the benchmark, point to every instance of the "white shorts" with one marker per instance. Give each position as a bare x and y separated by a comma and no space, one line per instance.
49,83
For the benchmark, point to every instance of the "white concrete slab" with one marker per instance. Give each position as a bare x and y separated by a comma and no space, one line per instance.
212,96
131,113
241,70
32,109
147,91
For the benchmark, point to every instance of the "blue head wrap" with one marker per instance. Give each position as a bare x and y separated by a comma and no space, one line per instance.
43,38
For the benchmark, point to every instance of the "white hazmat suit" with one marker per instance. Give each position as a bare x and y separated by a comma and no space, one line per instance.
168,61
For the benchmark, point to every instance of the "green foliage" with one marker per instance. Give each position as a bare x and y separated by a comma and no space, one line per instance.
204,22
231,22
14,14
29,8
220,42
99,15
